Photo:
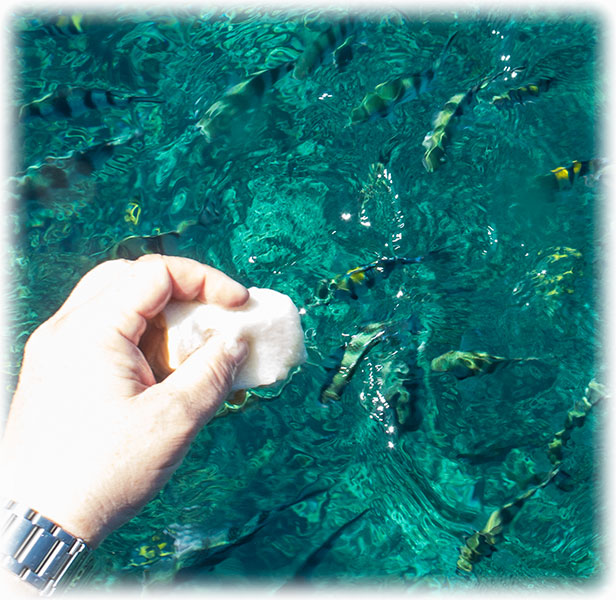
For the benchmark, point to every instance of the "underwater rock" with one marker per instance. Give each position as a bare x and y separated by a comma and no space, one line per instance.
268,321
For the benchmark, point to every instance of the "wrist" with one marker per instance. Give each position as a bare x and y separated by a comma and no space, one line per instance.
61,497
37,551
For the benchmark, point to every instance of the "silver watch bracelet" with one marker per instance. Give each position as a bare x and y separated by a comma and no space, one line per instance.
37,550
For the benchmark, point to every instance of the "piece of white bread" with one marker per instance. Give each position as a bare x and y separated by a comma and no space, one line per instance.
269,322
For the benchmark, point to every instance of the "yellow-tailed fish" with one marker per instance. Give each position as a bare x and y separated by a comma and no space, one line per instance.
238,100
365,276
73,102
563,178
159,546
347,358
522,94
389,94
134,246
324,45
133,213
467,364
67,25
436,139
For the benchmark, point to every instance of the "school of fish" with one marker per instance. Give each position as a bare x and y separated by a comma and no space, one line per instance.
40,185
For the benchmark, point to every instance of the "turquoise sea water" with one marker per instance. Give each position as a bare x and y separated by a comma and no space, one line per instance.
291,195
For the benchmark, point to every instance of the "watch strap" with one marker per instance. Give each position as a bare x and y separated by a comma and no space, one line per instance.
36,549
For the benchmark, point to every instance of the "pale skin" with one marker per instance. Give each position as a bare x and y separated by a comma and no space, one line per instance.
91,436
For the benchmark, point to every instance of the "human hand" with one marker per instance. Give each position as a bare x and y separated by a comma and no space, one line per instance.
91,436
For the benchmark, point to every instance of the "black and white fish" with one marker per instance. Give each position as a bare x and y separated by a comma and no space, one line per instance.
390,94
437,139
244,97
333,39
68,102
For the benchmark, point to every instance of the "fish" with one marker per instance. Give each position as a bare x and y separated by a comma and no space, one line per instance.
67,25
436,139
133,212
219,549
343,55
483,543
366,276
408,397
160,545
390,94
564,178
463,364
68,102
43,183
316,556
576,416
335,36
347,357
523,94
134,246
238,100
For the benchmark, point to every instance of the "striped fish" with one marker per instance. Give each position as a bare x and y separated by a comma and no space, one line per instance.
68,25
73,102
594,393
563,178
436,139
134,246
467,364
483,543
523,94
365,276
244,97
386,96
334,37
347,358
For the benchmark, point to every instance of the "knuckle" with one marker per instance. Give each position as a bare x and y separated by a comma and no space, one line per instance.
221,375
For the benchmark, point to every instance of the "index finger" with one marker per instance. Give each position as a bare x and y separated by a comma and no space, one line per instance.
129,292
187,280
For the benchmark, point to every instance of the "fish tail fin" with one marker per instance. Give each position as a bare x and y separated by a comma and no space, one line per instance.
441,254
445,51
486,81
405,260
152,99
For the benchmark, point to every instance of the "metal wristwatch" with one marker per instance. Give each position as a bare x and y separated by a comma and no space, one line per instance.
38,550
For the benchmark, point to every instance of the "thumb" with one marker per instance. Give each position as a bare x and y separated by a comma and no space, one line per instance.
202,382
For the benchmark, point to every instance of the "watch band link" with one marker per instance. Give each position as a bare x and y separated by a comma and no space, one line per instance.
36,549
